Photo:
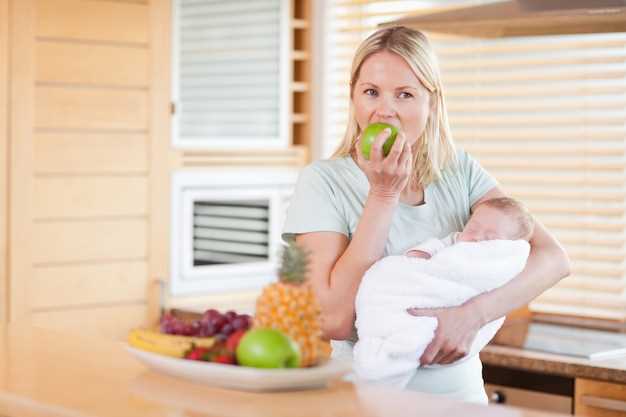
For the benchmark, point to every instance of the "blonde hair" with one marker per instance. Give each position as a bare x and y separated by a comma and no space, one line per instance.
435,147
519,212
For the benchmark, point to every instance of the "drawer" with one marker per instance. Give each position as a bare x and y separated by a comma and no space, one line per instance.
599,399
517,397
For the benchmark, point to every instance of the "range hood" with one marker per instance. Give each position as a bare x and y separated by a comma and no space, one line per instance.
524,18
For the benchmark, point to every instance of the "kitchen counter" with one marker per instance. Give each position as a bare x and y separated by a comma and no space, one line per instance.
49,373
511,348
609,370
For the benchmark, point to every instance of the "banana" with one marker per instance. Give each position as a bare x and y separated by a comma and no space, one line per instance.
165,344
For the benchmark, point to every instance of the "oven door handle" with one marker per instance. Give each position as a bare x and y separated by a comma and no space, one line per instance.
604,403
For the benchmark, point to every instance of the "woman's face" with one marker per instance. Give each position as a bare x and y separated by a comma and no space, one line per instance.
388,91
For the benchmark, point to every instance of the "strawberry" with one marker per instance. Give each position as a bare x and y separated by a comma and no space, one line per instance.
225,359
233,340
196,353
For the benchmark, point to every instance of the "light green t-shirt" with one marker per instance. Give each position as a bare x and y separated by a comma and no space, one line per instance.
330,195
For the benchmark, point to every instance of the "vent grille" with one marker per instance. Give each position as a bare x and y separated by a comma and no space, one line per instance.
231,232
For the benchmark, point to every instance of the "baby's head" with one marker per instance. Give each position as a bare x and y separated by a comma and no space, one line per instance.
498,218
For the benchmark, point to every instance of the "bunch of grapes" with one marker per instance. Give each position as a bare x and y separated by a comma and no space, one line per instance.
211,324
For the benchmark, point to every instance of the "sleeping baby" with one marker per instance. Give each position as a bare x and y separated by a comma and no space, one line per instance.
497,219
491,250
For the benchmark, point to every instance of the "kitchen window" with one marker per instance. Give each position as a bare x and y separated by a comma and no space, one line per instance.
544,115
231,74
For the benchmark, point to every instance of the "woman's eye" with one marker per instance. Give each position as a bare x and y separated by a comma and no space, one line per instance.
404,94
370,92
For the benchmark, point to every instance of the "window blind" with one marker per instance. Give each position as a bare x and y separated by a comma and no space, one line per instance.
231,73
545,115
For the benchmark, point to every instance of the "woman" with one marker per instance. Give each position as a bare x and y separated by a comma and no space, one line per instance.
349,211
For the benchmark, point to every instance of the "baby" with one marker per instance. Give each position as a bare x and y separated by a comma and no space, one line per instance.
500,218
492,249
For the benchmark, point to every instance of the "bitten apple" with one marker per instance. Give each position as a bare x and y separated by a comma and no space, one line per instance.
369,135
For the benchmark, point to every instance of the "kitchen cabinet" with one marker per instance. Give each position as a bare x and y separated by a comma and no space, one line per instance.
522,388
599,399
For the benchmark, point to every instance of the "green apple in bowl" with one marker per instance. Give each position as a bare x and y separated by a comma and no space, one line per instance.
267,348
369,135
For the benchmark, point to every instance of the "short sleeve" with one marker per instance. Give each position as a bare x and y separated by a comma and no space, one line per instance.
479,181
314,206
430,246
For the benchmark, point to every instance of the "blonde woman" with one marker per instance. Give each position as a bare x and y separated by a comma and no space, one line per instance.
350,212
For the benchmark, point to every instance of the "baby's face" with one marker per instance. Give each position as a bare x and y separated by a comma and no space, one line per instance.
488,223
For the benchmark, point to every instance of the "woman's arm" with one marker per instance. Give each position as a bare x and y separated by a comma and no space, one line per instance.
337,266
547,264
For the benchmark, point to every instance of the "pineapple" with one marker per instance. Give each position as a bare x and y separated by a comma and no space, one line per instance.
290,306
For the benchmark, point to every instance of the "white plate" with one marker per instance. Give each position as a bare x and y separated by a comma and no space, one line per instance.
244,378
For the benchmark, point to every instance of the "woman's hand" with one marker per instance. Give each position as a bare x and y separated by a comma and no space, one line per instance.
456,330
389,175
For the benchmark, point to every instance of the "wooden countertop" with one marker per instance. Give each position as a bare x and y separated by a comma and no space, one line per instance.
609,370
48,373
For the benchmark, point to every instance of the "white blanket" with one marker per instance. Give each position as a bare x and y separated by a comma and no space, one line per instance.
390,341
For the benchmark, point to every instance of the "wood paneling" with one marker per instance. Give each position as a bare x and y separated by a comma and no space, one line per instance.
85,153
80,197
22,17
79,63
80,162
92,20
86,108
81,241
599,399
75,285
4,160
160,128
112,322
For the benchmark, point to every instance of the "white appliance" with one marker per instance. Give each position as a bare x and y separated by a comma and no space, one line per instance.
226,225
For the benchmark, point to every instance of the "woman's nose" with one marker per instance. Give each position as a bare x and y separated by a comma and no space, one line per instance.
386,107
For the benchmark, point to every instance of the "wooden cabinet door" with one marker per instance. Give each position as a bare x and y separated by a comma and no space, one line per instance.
599,399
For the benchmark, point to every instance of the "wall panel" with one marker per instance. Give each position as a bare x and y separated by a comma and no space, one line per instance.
89,153
86,241
4,160
82,108
90,20
112,322
60,286
94,65
22,17
84,197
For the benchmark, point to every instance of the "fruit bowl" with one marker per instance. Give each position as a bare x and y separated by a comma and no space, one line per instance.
241,377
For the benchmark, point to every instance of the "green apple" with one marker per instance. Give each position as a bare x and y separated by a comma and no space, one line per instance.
267,348
369,135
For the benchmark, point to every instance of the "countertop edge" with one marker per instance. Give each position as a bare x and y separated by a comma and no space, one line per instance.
510,357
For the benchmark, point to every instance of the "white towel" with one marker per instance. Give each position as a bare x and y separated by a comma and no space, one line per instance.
390,341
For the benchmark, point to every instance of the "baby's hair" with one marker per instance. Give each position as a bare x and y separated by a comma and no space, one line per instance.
525,222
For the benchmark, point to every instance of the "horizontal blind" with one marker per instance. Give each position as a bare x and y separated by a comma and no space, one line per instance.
229,72
545,115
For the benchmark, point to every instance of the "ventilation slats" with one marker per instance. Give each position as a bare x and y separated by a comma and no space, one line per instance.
230,231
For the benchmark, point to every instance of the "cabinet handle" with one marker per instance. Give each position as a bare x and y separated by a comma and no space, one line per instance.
497,397
606,403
